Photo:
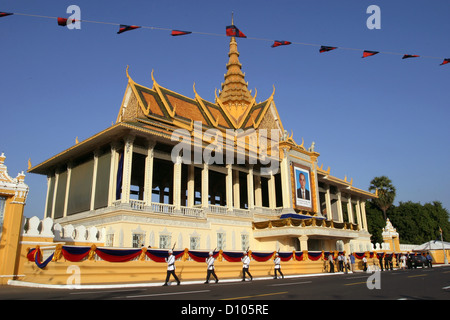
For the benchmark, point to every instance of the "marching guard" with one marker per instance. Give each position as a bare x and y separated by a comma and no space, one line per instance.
210,271
171,268
277,267
246,263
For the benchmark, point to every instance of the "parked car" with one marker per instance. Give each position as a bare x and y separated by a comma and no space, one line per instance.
418,261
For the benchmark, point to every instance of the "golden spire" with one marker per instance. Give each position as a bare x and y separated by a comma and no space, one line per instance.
235,95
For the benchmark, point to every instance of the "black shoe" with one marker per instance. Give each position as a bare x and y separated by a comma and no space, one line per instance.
165,284
178,283
217,280
206,282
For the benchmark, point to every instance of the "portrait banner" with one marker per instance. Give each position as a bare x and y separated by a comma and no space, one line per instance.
302,187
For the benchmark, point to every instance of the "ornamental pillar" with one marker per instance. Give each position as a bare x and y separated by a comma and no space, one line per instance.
94,179
112,195
236,190
363,215
285,182
272,191
191,186
55,192
229,187
250,189
358,214
13,194
148,175
205,186
177,183
350,210
127,166
258,191
66,196
303,243
339,207
328,204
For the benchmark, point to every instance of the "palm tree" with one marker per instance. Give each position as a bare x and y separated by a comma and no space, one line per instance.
385,191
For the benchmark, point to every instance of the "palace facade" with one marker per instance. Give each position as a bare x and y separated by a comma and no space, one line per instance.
183,172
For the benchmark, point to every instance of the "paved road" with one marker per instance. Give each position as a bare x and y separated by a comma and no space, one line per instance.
419,284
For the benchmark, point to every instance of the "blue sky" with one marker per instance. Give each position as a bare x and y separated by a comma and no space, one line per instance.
368,117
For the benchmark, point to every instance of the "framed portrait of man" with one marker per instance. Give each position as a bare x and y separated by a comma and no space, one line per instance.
302,187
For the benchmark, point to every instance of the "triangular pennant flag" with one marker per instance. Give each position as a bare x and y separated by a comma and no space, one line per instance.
124,28
368,53
4,14
406,56
326,49
445,62
278,43
180,33
232,31
64,21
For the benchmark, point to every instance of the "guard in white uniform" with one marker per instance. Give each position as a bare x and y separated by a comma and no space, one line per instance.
246,263
171,268
210,271
277,267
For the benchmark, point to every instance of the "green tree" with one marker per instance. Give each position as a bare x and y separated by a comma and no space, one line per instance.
375,222
386,193
417,223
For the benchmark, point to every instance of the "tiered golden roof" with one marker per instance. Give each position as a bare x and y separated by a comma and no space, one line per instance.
235,96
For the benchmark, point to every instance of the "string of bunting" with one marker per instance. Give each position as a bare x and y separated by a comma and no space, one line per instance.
78,254
230,31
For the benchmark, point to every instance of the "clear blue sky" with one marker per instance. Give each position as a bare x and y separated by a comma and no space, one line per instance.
368,117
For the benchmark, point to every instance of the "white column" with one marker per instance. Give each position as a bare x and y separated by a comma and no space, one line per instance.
191,186
328,204
94,179
177,183
350,210
250,189
127,166
358,214
55,191
229,187
339,207
66,196
205,186
113,173
148,176
363,215
236,190
272,192
258,191
286,183
303,243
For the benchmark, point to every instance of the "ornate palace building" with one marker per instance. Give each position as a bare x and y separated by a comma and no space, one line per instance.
183,172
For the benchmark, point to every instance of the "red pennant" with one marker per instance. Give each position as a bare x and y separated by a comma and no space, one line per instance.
406,56
124,28
368,53
180,33
4,14
326,49
280,43
63,21
445,62
232,31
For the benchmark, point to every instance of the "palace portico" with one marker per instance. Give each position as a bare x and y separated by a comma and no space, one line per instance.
129,180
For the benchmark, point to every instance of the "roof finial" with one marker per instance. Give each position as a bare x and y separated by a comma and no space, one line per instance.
232,20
